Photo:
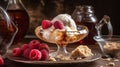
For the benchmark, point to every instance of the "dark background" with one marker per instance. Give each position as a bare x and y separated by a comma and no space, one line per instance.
47,9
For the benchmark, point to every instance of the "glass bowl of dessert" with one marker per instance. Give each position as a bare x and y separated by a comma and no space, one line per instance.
110,45
61,31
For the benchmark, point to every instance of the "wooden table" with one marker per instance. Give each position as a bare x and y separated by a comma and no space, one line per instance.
98,63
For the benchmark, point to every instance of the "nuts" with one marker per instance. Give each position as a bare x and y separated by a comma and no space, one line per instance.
112,46
111,64
52,59
81,51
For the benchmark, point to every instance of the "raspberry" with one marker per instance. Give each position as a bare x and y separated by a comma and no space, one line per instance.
23,47
16,52
46,24
45,54
35,54
1,61
58,25
34,44
44,46
26,52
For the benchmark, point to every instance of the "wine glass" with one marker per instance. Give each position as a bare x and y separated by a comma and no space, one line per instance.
62,38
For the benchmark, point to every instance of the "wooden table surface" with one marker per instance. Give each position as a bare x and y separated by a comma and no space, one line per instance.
98,63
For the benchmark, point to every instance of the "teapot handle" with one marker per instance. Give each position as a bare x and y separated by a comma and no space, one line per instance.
104,20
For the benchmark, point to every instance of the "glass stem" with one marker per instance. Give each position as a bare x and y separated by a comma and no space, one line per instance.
62,50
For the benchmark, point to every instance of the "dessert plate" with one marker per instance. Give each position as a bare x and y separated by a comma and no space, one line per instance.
95,57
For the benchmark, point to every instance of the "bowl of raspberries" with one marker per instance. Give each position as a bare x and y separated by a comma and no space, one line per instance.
34,50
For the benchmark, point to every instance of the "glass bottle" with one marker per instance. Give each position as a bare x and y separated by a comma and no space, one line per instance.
8,31
84,15
20,17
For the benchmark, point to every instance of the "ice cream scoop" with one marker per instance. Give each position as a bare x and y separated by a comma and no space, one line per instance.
69,23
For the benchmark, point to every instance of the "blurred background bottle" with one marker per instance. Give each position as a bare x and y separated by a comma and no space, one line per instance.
84,15
20,17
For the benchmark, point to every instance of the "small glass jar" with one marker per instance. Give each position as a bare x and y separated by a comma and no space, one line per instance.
84,15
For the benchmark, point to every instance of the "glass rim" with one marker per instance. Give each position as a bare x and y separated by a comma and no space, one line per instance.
112,38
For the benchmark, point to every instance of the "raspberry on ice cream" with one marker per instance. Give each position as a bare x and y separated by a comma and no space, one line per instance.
46,24
35,54
58,25
34,44
1,61
69,23
16,52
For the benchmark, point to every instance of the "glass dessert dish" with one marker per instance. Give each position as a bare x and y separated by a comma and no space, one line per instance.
62,38
110,45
